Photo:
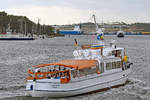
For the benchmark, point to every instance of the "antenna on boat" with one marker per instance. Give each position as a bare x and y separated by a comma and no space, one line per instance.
100,36
25,26
95,22
38,27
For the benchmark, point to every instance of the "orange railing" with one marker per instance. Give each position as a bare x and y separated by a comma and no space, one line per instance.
44,75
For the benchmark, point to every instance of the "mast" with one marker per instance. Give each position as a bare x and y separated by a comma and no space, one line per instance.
38,27
25,29
99,35
95,22
21,20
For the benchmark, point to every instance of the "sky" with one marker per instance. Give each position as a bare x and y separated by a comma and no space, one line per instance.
59,12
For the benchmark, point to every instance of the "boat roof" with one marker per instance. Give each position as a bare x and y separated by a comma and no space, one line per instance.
110,48
77,64
111,59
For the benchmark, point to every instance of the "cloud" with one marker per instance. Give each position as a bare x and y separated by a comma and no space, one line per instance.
75,11
52,15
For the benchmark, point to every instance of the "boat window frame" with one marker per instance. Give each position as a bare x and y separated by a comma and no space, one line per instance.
107,64
113,65
102,67
89,71
117,53
74,73
119,63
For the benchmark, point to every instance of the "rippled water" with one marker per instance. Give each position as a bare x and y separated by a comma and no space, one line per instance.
17,56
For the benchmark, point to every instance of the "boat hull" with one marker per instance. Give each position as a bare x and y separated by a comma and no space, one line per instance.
120,35
76,87
16,38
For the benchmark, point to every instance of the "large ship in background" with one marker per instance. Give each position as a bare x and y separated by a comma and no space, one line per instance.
76,31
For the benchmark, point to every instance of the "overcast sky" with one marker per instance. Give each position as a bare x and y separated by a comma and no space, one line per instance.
76,11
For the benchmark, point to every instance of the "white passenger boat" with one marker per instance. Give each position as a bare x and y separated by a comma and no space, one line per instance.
91,70
94,68
10,36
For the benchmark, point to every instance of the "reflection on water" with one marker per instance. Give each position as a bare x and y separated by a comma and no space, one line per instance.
17,56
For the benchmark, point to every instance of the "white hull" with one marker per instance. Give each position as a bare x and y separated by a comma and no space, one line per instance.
43,88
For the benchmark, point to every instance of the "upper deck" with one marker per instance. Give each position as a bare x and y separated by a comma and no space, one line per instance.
99,53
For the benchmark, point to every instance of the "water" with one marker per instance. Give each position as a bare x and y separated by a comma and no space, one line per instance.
17,56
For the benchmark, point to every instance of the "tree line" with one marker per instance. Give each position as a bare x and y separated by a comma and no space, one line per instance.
22,24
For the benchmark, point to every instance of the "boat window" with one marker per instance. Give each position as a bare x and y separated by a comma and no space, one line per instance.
116,64
118,53
119,64
109,54
114,53
92,70
87,71
102,67
108,66
74,73
82,72
113,65
97,68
